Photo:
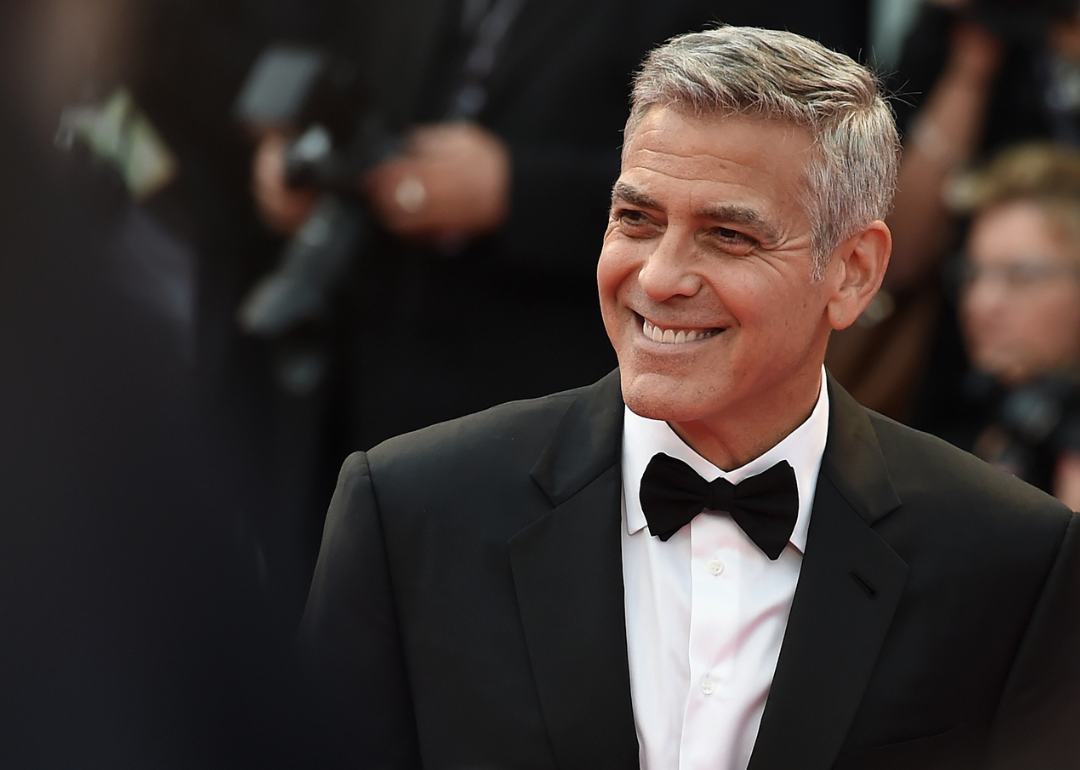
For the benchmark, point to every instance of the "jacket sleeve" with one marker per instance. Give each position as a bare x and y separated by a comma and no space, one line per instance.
350,636
1038,720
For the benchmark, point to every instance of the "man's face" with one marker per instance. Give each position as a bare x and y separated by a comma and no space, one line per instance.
705,276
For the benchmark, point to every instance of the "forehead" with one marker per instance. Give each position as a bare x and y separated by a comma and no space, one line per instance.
1020,228
718,155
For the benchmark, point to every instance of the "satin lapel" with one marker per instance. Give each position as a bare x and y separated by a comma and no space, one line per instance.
848,590
568,576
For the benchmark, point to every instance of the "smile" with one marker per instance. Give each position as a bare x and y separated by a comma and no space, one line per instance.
672,337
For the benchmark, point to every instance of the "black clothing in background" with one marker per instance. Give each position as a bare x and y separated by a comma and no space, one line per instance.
134,628
843,25
187,64
429,334
1022,430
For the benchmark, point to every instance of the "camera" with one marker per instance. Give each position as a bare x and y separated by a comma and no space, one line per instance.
319,99
1033,423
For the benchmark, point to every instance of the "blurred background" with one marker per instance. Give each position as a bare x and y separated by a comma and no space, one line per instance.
240,239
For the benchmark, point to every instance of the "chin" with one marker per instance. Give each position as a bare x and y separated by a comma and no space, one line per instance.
1002,367
648,408
656,397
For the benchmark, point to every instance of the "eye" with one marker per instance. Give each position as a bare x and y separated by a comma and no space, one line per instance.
634,222
1021,275
1016,275
732,241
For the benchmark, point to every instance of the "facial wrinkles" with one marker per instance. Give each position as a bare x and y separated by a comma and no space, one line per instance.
739,204
709,207
775,254
703,190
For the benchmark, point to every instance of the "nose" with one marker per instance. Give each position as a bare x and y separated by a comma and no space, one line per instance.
669,271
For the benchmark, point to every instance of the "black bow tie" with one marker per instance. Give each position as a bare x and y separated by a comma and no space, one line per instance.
765,506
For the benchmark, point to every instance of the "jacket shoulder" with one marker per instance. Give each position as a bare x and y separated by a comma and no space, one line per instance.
515,425
925,466
568,436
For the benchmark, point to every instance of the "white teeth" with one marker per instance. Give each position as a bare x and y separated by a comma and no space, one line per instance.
667,336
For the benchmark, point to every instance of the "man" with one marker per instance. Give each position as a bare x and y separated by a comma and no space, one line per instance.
504,591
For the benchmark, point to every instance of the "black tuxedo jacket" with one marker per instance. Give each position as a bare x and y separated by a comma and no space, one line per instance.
468,602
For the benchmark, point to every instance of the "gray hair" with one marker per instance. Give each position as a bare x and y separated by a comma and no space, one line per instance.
771,75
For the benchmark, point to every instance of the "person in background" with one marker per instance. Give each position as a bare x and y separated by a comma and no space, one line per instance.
975,77
1019,312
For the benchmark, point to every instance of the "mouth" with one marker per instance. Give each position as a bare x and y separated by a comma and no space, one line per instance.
673,336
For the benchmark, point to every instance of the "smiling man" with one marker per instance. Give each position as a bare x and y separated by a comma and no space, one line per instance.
712,558
709,238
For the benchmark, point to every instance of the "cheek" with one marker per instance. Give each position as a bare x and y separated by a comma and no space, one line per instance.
612,269
788,310
969,316
608,280
1058,323
978,316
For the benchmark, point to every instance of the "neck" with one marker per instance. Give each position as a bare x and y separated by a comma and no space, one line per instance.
730,442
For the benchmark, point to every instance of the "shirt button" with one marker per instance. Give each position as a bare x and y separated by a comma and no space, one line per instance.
716,567
707,686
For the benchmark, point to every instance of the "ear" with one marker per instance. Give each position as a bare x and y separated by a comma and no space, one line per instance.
856,270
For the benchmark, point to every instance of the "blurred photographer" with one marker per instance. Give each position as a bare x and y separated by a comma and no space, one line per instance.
451,182
975,77
1019,310
472,279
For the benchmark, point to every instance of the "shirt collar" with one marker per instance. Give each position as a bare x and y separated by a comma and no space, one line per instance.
802,448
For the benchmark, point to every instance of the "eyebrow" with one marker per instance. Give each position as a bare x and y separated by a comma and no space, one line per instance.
741,215
723,212
625,193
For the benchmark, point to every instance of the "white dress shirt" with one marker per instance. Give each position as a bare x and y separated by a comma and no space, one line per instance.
706,610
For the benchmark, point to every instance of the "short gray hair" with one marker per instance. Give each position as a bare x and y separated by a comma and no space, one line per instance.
770,75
